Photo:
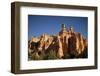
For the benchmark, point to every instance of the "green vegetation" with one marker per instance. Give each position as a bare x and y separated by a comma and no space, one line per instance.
41,56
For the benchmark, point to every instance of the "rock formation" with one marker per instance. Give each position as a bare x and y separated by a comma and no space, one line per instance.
67,44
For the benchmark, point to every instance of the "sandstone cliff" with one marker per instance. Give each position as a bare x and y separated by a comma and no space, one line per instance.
67,44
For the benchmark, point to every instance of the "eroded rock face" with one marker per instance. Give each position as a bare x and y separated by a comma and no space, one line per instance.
66,44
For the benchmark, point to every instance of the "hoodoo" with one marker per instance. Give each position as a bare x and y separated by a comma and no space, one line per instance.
66,44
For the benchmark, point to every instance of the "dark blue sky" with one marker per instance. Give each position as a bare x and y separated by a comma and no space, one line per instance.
39,24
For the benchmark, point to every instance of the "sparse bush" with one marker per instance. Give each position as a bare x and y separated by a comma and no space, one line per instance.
52,55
